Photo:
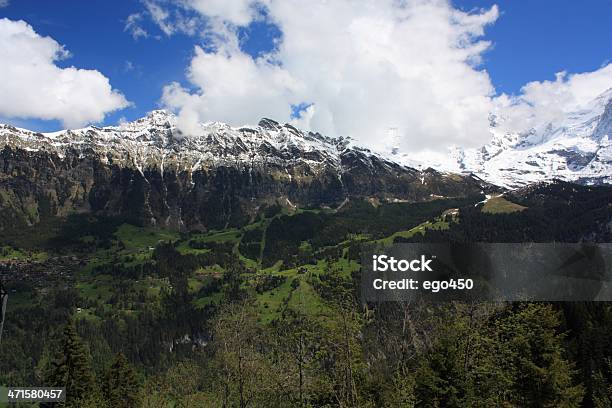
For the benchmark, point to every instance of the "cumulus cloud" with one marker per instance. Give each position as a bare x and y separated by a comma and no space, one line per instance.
541,103
406,70
408,66
362,68
32,86
238,89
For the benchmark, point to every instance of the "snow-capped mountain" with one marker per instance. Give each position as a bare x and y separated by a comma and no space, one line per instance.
149,171
577,147
155,139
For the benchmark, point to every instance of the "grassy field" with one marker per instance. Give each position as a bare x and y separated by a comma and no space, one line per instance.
229,235
499,205
419,229
8,253
142,238
103,289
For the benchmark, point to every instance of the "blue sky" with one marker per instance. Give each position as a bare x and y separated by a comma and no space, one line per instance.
535,39
93,32
531,41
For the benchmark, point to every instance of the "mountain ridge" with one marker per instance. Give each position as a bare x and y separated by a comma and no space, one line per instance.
576,147
150,172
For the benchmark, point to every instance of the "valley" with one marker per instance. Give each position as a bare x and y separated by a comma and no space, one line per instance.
158,295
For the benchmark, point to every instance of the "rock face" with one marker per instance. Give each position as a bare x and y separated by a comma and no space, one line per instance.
150,173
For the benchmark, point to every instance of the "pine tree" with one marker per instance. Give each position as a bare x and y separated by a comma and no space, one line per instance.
602,392
513,358
71,369
121,387
531,350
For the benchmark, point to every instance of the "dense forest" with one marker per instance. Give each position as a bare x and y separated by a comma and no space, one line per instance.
269,313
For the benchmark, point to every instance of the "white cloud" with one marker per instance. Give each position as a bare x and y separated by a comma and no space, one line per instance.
132,26
237,12
4,3
160,16
541,103
192,17
386,65
32,86
235,85
171,20
364,67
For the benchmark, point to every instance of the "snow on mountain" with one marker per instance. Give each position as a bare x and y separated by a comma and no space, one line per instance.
219,176
577,147
155,139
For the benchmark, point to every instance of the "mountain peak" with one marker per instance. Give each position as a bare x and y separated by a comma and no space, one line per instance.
575,147
154,140
159,113
269,124
159,117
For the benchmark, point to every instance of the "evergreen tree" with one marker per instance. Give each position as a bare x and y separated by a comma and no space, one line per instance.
461,369
516,358
121,387
531,350
602,393
71,369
